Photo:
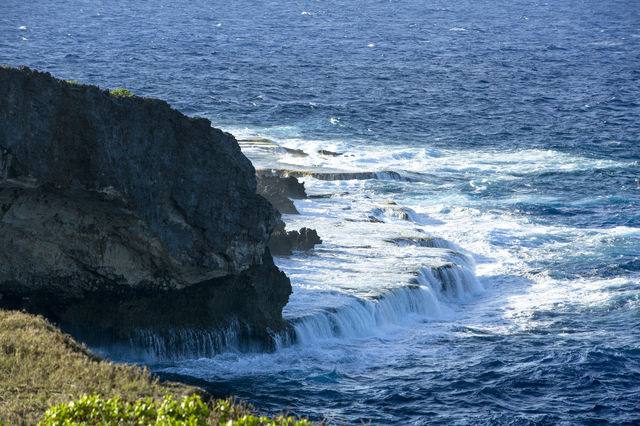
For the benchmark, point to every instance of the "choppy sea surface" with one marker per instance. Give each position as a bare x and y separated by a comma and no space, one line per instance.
489,270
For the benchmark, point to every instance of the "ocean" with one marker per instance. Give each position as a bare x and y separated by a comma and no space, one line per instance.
481,250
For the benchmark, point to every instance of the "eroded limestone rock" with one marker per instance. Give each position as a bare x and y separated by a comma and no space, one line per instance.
280,190
128,213
283,242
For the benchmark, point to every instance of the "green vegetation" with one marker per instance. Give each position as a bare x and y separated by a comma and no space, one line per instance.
40,367
95,410
121,93
72,82
190,411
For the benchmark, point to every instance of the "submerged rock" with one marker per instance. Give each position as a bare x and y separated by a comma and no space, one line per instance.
433,242
295,152
336,175
329,153
120,213
270,146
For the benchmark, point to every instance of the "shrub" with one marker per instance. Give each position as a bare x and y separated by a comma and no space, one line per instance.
225,413
122,93
189,411
93,410
72,82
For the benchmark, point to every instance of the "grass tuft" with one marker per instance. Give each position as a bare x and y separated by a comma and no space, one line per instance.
123,93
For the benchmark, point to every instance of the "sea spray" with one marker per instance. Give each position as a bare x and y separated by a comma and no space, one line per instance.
145,345
451,282
425,298
359,317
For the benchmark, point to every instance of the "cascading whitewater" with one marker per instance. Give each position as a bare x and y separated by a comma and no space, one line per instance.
361,316
450,282
432,286
423,297
189,343
150,346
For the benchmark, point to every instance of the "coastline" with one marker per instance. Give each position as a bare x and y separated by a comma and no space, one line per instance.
124,223
42,367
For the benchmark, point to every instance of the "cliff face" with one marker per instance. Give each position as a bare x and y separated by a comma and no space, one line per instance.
126,199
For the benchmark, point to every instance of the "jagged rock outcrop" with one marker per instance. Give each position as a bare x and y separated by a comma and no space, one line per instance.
120,212
283,243
280,190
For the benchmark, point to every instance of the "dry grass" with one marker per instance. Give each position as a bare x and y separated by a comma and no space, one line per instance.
41,367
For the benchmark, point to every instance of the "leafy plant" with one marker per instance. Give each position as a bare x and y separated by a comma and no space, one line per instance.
72,82
189,411
122,93
93,410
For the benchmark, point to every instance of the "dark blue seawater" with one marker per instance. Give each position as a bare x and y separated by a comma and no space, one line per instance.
515,129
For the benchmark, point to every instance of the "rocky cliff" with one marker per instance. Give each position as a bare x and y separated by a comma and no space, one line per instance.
119,212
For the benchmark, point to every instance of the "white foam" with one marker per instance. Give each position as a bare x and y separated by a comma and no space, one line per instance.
451,282
359,259
361,317
482,166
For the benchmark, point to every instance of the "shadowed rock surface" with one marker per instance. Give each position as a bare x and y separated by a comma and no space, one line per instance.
121,213
282,242
279,191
